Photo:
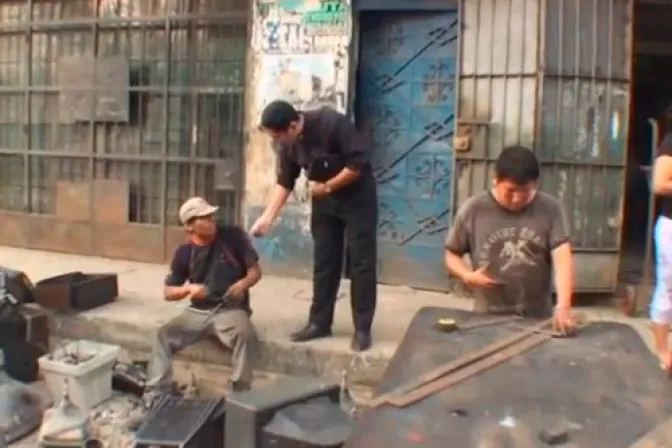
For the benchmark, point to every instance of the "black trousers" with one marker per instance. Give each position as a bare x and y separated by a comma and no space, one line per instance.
347,218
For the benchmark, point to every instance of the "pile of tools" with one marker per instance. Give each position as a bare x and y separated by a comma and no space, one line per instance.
471,364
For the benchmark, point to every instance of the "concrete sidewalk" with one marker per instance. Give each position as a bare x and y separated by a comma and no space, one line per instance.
280,306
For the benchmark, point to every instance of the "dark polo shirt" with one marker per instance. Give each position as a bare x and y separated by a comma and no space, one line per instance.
217,265
326,133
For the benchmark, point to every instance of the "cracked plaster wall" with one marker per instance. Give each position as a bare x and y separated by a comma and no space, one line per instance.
300,53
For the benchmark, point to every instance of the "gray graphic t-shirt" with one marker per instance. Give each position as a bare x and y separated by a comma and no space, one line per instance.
516,249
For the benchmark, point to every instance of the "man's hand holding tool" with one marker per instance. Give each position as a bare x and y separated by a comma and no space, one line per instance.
481,279
236,291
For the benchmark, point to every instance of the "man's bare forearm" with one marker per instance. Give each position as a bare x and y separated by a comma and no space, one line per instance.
278,199
174,293
253,276
563,265
456,265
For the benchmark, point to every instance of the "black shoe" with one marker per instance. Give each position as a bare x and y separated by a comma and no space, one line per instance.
308,333
361,341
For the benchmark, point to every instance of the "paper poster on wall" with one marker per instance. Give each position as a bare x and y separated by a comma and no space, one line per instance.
308,81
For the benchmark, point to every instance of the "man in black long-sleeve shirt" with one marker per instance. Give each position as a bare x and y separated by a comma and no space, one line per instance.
327,146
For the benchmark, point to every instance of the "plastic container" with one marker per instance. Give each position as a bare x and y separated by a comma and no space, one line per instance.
90,380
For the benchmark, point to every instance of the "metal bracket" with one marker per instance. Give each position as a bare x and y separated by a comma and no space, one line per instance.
464,131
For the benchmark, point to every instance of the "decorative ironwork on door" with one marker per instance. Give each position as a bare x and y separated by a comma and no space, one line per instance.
406,98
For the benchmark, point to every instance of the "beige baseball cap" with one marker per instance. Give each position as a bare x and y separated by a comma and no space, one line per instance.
195,207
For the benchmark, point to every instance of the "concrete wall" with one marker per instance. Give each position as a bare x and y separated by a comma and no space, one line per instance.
300,52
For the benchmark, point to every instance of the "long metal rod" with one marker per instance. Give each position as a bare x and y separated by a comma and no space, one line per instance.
469,371
219,18
92,127
28,112
194,116
166,133
117,156
204,90
487,323
459,363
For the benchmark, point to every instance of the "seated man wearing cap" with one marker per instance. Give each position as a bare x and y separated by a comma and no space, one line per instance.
214,270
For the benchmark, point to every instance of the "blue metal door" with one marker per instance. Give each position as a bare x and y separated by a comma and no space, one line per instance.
406,101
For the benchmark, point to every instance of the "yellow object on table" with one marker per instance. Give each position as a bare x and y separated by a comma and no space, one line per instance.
446,325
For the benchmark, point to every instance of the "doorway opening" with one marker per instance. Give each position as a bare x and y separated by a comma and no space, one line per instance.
651,93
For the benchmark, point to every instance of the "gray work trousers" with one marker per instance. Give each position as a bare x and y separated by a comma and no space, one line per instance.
232,327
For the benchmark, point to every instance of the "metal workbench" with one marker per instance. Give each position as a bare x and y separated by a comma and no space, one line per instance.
603,386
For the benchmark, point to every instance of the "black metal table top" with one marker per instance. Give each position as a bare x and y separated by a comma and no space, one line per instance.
603,387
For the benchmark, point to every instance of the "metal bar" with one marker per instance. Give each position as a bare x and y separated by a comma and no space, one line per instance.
487,323
521,79
541,74
491,90
625,121
592,129
573,178
28,116
558,84
192,52
183,90
505,91
551,162
607,111
237,17
139,97
92,126
458,363
553,334
559,76
125,157
469,371
166,132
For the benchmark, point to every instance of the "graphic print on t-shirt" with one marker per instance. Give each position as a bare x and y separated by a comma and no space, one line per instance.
509,251
514,248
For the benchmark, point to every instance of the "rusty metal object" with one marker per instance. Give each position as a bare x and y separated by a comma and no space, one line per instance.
553,333
470,370
477,323
458,364
488,322
599,397
76,291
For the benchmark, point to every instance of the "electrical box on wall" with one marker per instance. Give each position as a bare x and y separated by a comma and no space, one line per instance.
94,89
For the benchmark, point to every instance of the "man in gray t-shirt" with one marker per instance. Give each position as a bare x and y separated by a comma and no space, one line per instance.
516,236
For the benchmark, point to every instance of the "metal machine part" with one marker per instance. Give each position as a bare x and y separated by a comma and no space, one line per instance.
20,408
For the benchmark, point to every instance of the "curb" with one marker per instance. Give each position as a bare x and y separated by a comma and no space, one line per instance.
277,355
